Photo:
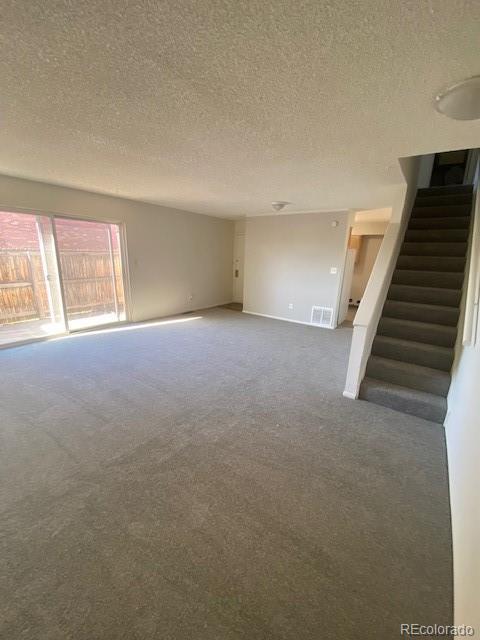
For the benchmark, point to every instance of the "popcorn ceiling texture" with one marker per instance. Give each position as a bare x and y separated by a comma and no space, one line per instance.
220,107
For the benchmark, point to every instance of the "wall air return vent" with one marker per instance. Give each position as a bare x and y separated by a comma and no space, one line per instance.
322,317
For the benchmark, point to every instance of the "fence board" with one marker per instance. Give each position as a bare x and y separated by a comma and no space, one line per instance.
87,282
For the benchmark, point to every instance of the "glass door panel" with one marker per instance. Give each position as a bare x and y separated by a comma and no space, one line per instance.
30,298
91,269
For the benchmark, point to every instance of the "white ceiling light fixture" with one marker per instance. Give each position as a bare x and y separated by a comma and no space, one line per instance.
461,101
278,205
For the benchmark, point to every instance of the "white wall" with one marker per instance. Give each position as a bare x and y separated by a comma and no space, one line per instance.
463,445
172,254
462,428
288,260
425,170
369,311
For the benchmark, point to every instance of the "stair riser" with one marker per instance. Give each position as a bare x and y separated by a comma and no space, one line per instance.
431,263
403,311
424,295
387,398
436,235
438,385
457,249
441,336
445,191
441,211
431,201
428,278
456,222
414,354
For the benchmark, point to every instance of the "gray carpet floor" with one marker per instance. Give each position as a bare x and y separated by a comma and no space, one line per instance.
206,480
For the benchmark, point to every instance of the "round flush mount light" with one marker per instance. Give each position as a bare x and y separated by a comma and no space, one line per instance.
461,101
278,205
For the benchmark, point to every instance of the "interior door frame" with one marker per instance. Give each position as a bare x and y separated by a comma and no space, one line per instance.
238,240
125,272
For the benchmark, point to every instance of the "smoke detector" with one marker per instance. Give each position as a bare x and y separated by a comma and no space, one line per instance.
278,205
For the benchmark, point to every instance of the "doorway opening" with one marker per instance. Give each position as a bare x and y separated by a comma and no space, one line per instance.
57,275
238,264
367,248
364,243
449,168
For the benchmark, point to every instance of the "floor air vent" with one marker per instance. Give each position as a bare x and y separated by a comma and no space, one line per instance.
322,317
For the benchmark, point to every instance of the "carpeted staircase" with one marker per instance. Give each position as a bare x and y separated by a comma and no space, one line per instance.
412,353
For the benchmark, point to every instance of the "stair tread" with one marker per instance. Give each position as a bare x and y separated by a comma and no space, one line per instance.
420,287
406,391
421,306
424,294
422,404
442,190
435,313
446,205
443,199
437,236
429,273
441,210
439,223
424,346
419,275
409,367
421,325
450,264
429,248
442,243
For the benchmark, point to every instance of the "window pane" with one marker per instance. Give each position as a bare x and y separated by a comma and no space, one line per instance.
30,301
90,263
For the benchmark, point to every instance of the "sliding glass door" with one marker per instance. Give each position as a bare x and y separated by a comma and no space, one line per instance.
57,274
30,294
91,270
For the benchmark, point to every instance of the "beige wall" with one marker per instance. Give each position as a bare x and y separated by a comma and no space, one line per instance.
288,260
370,228
372,222
463,443
177,260
365,259
462,428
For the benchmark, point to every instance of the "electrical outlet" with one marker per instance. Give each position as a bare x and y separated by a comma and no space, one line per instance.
290,306
333,270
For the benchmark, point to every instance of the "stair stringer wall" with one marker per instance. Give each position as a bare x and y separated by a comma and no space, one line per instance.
370,309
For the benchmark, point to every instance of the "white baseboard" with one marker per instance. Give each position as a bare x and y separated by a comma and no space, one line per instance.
265,315
219,304
178,312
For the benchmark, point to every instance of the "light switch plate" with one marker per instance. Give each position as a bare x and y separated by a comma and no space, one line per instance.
333,270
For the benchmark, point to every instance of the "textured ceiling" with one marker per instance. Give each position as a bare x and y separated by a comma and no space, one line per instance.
223,106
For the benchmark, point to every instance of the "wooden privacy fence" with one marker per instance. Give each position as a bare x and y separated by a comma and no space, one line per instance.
87,280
